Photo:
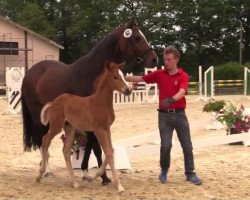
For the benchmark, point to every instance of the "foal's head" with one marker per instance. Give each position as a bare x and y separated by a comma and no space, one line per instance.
116,78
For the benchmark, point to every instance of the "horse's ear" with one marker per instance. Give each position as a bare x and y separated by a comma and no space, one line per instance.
107,64
111,65
132,22
121,65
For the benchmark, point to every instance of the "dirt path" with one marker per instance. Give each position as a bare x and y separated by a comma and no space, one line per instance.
225,169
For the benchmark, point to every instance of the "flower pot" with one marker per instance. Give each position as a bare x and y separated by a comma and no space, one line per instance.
234,131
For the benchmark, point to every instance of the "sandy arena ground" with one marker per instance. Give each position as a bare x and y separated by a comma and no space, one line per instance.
225,169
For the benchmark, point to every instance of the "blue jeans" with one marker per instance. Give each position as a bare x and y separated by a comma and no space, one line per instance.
168,122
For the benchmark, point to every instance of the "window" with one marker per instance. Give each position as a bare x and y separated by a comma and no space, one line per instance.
8,48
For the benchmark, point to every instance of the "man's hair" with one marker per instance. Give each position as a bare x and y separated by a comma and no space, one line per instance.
172,50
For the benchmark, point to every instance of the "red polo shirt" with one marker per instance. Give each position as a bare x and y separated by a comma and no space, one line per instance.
169,85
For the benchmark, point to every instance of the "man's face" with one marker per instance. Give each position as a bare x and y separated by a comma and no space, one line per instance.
170,61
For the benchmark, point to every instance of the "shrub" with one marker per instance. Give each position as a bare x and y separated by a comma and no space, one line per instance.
213,106
229,71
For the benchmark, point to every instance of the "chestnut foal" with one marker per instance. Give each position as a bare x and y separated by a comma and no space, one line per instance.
93,113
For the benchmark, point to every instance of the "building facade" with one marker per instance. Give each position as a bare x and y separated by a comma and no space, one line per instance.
21,47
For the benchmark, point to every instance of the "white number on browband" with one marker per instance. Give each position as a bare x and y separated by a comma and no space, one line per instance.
127,33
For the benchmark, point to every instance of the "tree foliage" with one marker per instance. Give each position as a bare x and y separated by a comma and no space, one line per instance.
206,32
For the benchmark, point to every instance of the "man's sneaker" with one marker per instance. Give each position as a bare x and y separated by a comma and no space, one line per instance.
194,179
163,176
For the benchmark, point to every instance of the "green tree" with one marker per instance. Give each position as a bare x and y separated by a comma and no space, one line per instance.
34,18
206,32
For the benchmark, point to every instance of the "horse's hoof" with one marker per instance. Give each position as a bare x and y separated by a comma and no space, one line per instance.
38,178
76,185
47,174
86,178
85,175
90,178
120,188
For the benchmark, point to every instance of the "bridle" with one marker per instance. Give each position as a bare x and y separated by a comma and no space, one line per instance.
139,57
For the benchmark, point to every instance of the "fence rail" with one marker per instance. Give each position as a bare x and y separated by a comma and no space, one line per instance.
233,86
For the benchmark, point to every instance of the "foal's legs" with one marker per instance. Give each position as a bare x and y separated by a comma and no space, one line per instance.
92,143
45,145
47,171
56,124
70,133
98,154
104,138
87,152
111,163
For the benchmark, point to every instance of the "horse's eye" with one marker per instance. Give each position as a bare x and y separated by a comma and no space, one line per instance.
115,77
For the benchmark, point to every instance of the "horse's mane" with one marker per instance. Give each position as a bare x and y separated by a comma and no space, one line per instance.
91,65
101,48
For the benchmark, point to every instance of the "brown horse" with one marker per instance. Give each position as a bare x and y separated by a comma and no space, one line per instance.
94,113
47,80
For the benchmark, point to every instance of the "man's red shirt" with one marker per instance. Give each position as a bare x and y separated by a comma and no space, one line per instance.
169,85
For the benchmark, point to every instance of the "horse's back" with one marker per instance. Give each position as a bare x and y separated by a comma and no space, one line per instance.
34,74
46,80
74,109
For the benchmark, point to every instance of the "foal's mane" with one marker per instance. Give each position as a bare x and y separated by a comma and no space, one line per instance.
98,80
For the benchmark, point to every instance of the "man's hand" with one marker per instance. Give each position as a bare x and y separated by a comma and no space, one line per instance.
167,101
132,85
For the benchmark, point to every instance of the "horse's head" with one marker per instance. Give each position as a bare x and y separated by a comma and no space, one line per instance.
116,78
134,46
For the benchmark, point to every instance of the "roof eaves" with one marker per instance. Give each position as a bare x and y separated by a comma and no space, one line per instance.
32,32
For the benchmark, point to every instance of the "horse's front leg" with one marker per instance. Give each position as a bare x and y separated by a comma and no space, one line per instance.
104,138
70,133
111,162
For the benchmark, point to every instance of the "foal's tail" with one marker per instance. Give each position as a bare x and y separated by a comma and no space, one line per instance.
45,114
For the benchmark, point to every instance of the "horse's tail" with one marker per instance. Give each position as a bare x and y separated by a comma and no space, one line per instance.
45,114
27,126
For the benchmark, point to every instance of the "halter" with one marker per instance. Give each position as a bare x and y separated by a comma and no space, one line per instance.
139,58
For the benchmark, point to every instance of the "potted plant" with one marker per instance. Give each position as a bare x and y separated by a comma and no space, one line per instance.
235,120
79,142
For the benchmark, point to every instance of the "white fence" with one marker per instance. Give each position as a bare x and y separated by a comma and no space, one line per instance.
210,84
14,78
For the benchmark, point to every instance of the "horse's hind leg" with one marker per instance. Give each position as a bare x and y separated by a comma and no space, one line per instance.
70,133
45,145
47,171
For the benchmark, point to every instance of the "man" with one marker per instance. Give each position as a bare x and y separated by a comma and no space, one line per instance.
173,84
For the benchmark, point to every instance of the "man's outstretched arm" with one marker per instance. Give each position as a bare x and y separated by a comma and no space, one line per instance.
134,79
